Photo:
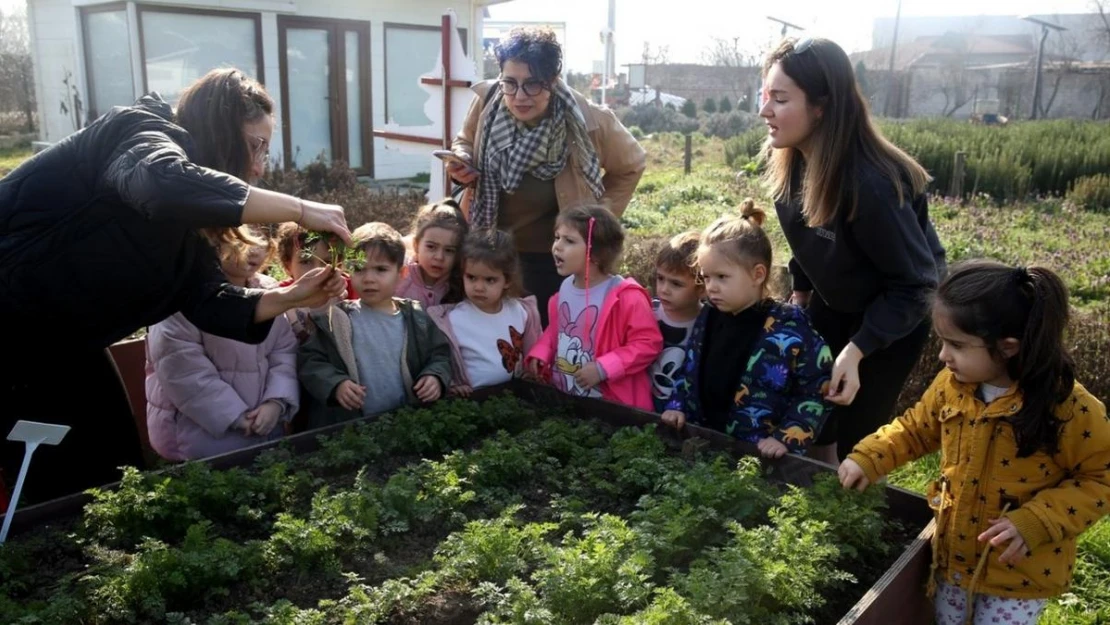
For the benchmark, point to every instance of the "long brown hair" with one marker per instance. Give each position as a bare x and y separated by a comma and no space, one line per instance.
994,301
844,137
214,110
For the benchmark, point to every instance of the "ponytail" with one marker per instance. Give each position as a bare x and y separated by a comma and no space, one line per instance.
994,302
739,237
749,211
1044,370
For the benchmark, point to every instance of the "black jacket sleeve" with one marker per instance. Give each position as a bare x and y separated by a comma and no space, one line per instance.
152,173
220,308
889,235
801,280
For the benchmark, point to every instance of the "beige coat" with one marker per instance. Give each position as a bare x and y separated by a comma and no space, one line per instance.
621,157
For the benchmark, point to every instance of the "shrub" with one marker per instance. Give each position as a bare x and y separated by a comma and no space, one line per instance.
338,184
728,124
690,108
1007,163
652,119
1091,193
1088,340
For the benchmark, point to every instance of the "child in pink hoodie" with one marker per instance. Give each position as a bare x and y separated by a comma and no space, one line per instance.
431,274
603,336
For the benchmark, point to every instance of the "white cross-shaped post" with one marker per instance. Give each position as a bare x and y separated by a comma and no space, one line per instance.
32,434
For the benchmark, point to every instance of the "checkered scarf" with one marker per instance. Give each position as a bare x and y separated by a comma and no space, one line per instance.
511,149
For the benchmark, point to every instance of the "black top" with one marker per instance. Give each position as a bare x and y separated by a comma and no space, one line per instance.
98,235
727,346
884,263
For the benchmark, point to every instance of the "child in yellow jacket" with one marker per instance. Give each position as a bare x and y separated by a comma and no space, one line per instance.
1025,449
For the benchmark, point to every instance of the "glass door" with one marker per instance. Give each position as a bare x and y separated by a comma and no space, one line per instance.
325,91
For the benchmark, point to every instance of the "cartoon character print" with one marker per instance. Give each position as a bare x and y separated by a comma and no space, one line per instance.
512,351
576,349
669,364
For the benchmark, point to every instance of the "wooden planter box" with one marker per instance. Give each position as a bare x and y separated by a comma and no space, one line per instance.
897,597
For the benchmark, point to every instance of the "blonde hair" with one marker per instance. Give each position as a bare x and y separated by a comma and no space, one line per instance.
233,244
844,137
740,238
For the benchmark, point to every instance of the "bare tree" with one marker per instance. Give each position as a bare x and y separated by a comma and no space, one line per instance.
1065,49
1100,90
17,91
660,55
1102,8
746,60
729,53
957,80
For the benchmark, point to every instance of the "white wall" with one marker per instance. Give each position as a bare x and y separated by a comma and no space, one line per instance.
54,37
56,24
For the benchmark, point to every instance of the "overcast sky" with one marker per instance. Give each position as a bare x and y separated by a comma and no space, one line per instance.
687,26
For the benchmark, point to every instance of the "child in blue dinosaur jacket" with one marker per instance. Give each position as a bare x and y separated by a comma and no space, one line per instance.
755,368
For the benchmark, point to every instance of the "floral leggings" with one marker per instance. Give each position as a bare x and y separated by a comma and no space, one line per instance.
951,607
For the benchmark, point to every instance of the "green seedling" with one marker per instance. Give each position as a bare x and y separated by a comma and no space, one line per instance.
351,259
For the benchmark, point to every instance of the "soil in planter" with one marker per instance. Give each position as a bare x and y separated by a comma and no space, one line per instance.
459,514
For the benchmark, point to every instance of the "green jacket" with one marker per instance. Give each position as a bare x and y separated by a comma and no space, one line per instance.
327,358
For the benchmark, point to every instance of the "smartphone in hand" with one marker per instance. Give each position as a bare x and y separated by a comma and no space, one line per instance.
450,157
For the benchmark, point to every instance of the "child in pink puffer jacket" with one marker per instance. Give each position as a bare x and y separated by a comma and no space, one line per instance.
207,395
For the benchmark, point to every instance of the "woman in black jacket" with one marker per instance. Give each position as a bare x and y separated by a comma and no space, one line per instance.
111,230
854,211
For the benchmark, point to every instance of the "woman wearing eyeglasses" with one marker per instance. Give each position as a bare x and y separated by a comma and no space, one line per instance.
854,211
111,230
535,146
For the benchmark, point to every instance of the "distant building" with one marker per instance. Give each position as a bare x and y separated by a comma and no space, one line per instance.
961,66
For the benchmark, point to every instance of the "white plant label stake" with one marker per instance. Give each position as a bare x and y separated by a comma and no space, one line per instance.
32,434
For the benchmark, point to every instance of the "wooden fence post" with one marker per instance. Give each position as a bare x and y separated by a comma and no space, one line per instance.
956,189
686,163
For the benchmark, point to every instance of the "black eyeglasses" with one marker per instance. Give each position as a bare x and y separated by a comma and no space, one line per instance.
531,87
802,45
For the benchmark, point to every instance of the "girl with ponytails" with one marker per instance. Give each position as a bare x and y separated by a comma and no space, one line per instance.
603,336
1025,449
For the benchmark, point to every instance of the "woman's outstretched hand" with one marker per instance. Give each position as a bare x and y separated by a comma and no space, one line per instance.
316,288
844,383
313,290
325,218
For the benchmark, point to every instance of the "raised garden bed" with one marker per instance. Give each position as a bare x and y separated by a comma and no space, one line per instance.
474,512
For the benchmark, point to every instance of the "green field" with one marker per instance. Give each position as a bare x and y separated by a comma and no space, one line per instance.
11,158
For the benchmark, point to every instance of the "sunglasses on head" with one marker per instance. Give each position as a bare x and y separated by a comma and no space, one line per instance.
802,45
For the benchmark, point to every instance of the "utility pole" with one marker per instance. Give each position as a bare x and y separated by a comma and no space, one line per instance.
891,82
1045,26
607,37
